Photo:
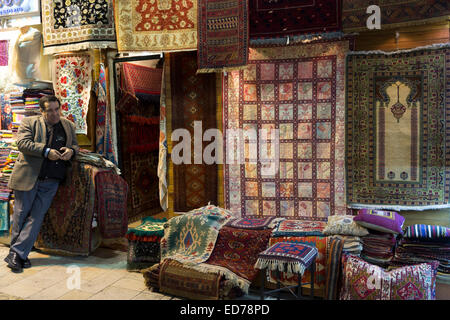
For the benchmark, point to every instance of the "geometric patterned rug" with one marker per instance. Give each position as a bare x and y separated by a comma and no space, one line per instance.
299,90
398,129
394,13
280,18
193,99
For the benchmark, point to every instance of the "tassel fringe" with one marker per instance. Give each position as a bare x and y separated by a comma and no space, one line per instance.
283,266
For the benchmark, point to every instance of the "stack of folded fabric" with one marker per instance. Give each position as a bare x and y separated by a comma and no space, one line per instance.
425,243
384,227
378,248
144,243
348,231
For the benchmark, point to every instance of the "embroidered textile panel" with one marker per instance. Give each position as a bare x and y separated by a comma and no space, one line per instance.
72,82
397,129
299,91
77,25
161,25
4,48
193,100
222,35
277,18
394,13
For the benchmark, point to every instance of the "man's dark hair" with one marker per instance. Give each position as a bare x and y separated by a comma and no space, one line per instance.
48,99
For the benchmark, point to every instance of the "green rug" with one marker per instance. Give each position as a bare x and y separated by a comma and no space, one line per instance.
190,238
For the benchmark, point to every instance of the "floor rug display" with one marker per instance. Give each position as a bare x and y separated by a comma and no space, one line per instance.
190,238
193,102
398,129
67,226
320,276
299,90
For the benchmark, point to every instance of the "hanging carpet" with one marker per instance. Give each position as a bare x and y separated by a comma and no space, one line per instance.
193,99
222,35
271,19
393,14
163,25
398,129
77,25
299,90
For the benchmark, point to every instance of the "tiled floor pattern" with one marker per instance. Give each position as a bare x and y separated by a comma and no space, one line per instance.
103,276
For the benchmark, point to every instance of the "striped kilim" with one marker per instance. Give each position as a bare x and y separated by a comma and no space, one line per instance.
423,231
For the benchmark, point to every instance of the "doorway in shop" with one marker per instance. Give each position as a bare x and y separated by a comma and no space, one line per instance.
137,86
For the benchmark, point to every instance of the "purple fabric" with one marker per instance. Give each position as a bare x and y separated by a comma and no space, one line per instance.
380,220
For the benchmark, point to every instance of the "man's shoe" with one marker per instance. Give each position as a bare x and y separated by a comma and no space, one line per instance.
26,263
14,262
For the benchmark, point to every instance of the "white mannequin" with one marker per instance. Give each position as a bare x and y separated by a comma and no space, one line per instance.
26,55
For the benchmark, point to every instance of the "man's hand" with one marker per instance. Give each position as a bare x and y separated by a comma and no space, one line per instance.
66,153
54,155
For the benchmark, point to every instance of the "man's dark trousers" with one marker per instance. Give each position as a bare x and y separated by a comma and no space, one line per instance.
30,208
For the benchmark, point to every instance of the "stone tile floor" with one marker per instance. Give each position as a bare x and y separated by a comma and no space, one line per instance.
103,276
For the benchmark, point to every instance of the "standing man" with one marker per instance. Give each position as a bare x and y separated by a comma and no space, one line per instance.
46,143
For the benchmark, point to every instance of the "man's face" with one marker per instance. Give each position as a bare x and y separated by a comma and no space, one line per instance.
52,112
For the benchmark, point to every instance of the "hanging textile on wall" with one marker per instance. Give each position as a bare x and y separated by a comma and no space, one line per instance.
72,84
77,25
103,132
394,13
163,149
161,25
270,19
4,47
193,99
222,35
5,112
299,90
398,129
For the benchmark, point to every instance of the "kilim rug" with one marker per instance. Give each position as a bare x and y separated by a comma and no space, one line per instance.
299,90
103,133
179,280
4,48
111,192
193,99
162,25
141,79
394,13
67,226
398,127
72,84
269,19
334,268
190,238
77,25
320,276
238,249
222,35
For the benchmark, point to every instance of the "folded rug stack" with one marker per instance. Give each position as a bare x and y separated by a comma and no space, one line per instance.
378,247
144,243
425,243
352,244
